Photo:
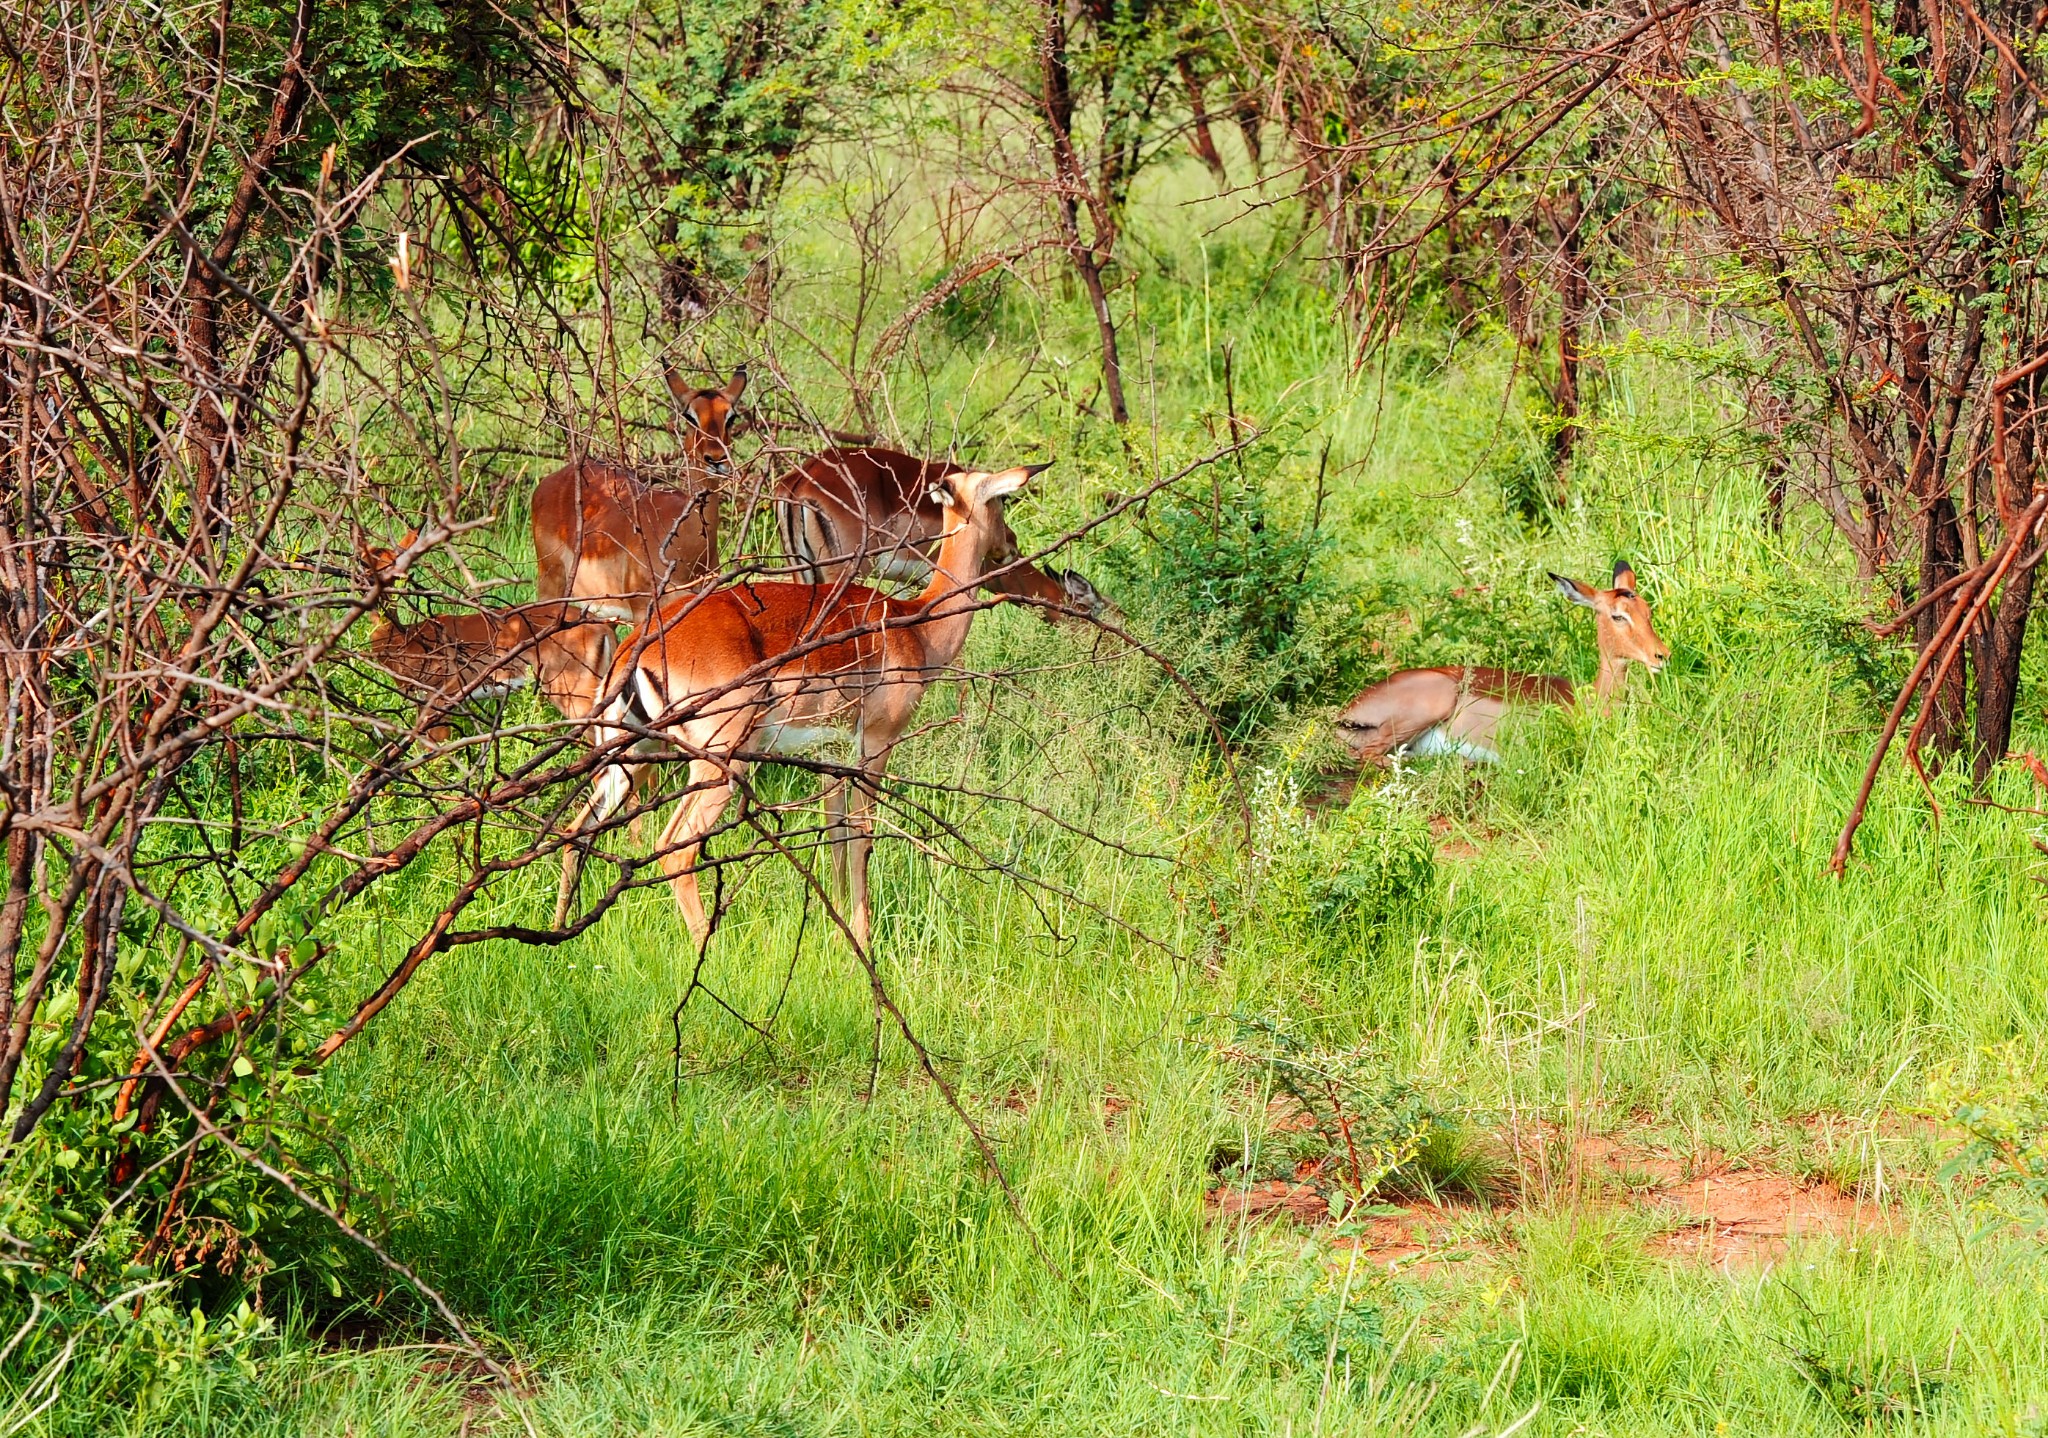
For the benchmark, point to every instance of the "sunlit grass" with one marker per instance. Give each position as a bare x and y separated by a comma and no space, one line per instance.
687,1227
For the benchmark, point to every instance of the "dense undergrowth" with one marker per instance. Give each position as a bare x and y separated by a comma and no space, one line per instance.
680,1223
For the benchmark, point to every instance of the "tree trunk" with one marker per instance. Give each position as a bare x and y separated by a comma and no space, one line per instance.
1572,296
1105,324
1250,122
1511,254
1072,183
209,441
1998,678
1941,558
1200,137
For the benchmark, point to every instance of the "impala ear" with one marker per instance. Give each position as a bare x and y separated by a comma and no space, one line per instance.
1009,481
736,386
1624,577
1081,593
941,492
676,387
1571,589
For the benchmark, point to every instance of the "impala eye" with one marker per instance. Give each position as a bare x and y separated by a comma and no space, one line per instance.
1619,617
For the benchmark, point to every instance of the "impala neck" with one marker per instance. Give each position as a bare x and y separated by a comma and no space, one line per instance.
956,571
1613,674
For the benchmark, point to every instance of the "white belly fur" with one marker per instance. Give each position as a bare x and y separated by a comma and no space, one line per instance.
902,567
1438,742
795,739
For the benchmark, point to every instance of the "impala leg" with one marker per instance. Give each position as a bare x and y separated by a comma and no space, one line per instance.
610,786
646,783
696,815
860,843
836,832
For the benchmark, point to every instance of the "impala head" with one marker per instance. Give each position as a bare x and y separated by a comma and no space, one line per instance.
1621,620
975,496
707,419
1083,595
1068,587
382,563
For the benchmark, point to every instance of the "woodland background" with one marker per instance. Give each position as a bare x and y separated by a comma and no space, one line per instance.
1344,321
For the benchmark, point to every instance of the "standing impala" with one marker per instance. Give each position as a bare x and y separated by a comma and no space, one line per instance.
1456,710
609,540
848,513
761,670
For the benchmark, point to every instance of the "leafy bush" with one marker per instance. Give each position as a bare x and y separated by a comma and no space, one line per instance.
1347,1333
1244,606
1350,878
2002,1122
1354,1130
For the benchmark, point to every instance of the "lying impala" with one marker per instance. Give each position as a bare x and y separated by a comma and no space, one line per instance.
755,671
1456,710
445,660
849,513
614,543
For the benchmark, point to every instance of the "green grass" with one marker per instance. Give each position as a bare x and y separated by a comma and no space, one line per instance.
1645,935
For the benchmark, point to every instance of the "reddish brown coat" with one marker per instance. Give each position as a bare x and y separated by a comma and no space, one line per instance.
607,538
864,510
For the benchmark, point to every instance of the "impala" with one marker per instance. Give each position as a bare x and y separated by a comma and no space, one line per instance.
614,543
1456,710
759,671
852,512
444,660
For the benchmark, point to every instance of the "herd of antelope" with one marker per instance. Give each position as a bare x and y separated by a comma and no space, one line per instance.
732,674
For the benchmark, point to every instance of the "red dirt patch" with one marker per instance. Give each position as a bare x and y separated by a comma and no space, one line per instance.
483,1394
1114,1107
1415,1238
1420,1239
1285,1114
1270,1198
1330,793
1747,1217
1441,825
1732,1217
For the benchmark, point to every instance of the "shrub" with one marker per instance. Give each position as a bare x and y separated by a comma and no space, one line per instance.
2002,1124
1346,881
1354,1130
1244,606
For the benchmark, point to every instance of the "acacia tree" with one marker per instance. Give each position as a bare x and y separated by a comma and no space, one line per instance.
1091,85
1867,189
182,246
1357,87
241,346
709,105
